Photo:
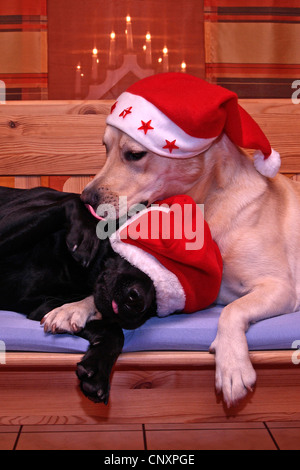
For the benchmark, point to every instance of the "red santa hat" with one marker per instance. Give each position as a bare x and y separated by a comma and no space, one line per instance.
171,243
178,115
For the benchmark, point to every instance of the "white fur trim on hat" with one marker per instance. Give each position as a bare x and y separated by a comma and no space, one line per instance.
267,166
170,295
131,114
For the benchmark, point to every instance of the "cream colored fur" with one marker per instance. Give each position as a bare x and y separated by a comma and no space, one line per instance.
254,220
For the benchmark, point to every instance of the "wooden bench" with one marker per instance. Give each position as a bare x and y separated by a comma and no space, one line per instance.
42,139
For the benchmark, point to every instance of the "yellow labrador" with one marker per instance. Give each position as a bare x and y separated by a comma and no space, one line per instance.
255,221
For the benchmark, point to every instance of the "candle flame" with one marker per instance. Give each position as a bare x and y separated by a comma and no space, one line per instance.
128,19
183,65
112,35
165,50
78,67
148,36
95,51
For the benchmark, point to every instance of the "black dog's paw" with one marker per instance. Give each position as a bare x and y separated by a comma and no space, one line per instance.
94,383
94,370
83,242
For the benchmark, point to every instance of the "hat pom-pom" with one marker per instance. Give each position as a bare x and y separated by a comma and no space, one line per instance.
267,166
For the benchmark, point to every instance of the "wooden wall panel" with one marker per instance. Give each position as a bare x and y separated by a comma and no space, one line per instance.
27,182
280,121
65,138
76,184
52,145
52,138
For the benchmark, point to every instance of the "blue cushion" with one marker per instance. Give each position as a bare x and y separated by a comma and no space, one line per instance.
193,332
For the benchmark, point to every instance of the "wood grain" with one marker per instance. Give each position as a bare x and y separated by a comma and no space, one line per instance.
64,137
55,107
280,121
141,360
52,137
76,184
51,145
282,134
172,394
27,182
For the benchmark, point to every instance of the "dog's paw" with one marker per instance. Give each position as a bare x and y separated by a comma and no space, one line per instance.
94,383
70,318
235,376
82,243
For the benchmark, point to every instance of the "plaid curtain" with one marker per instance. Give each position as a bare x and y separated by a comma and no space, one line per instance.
252,47
23,49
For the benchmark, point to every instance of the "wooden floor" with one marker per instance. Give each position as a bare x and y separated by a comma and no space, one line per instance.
235,436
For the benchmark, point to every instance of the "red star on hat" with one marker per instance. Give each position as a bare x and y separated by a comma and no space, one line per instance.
170,145
113,107
145,126
126,111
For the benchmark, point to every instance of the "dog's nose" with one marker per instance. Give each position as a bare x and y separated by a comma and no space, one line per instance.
134,299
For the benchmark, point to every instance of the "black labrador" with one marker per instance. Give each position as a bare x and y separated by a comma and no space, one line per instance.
50,255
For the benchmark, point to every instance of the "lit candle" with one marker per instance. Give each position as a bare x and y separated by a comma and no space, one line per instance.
78,76
112,50
183,66
129,38
95,63
165,60
148,49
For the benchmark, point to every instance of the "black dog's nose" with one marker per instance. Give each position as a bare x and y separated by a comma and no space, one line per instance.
134,299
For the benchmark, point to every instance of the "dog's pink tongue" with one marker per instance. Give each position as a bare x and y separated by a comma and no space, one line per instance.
90,208
115,307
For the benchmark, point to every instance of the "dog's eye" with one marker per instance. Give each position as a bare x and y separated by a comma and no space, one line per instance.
134,156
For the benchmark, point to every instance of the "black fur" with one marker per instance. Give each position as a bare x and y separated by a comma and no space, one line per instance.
50,255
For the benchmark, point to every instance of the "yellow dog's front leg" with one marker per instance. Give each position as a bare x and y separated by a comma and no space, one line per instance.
235,375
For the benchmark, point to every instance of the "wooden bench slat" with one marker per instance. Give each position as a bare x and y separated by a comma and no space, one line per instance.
142,360
65,137
51,145
55,107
